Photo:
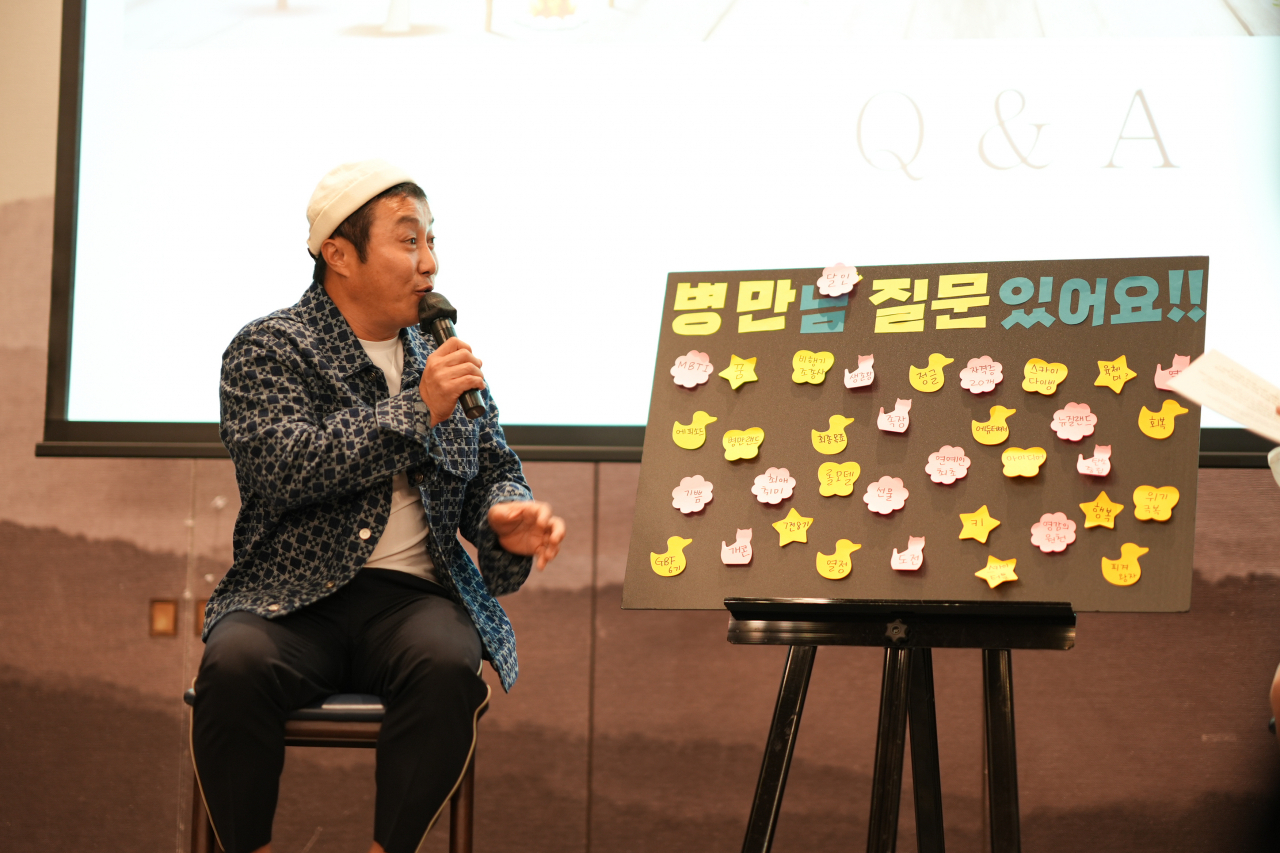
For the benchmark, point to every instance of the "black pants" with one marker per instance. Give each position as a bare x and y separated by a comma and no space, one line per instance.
385,633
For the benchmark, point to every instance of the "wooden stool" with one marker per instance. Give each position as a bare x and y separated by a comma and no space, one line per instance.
342,720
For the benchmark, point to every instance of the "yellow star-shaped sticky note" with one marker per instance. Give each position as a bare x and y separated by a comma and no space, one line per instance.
1101,512
740,370
997,571
1113,374
978,525
793,528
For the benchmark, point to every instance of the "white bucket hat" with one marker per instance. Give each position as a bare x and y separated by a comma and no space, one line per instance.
341,193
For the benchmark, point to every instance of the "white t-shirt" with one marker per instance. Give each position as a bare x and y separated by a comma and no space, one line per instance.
403,545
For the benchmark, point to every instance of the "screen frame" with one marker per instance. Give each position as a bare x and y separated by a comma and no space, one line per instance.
1219,447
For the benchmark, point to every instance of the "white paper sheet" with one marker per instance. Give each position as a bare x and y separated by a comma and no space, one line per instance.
1230,389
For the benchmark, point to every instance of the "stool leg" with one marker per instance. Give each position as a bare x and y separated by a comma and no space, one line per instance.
461,809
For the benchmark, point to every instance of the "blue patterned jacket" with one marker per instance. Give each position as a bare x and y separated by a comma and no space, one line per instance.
316,436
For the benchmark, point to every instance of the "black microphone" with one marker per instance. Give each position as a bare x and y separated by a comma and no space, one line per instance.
436,317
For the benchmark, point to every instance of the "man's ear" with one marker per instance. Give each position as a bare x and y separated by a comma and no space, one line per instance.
339,255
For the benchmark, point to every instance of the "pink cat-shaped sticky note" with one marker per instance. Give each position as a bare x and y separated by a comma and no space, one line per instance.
1099,465
898,420
739,553
864,375
910,559
1180,363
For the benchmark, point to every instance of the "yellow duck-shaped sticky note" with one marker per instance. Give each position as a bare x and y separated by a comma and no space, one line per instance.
1159,424
833,440
994,431
672,562
1124,571
931,378
694,435
837,565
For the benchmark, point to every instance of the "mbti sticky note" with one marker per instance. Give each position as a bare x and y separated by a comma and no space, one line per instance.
692,495
864,375
739,371
742,443
793,528
977,525
886,495
692,435
911,559
997,571
1101,512
837,478
896,421
1113,374
995,430
1019,462
692,369
1152,504
840,564
832,440
1053,532
1125,571
1163,375
1043,377
947,465
1159,424
838,280
671,562
1098,465
930,378
1073,422
811,367
982,375
739,553
774,486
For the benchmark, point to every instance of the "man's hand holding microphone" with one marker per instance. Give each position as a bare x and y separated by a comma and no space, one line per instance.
453,374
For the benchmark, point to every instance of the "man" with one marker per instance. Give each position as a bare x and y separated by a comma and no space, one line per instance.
357,471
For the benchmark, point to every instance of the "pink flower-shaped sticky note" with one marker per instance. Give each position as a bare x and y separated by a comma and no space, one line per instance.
1074,422
1053,532
1098,465
910,559
692,495
693,369
1180,363
864,375
774,486
947,465
982,375
838,280
896,421
885,495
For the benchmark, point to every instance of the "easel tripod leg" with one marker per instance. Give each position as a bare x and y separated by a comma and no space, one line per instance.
1002,758
925,774
777,752
886,783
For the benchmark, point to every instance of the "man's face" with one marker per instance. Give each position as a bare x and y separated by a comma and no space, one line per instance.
401,263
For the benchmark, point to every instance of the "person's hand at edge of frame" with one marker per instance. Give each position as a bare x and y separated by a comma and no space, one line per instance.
528,528
451,370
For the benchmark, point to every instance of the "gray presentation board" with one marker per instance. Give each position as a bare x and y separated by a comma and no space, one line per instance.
1074,312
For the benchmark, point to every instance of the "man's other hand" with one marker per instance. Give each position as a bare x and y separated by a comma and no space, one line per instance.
528,528
451,370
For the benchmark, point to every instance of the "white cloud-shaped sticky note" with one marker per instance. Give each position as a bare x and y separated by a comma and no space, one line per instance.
692,369
838,280
692,495
774,486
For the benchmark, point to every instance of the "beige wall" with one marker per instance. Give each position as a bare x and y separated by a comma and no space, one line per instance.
30,32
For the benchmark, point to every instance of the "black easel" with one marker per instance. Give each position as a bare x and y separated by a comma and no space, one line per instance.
908,630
